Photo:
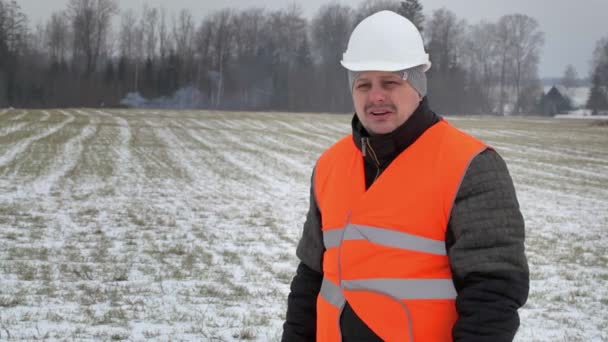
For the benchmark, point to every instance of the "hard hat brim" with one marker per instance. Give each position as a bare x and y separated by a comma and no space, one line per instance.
382,66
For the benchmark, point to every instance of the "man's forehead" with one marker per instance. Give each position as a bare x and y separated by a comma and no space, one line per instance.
367,75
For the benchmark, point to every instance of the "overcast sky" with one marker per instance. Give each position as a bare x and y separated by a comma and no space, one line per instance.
571,27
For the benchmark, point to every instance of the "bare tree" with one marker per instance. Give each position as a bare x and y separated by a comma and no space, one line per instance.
444,35
526,44
183,29
13,27
331,28
504,41
91,21
481,63
248,30
13,42
36,41
519,41
296,37
149,23
286,31
58,36
249,35
127,35
221,45
570,78
164,45
183,32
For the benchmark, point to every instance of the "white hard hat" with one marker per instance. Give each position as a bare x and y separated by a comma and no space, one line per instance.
385,41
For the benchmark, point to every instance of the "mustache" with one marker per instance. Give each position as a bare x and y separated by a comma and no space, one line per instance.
374,106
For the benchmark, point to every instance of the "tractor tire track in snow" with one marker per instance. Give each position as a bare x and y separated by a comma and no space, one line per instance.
128,170
68,159
45,115
21,146
12,128
19,115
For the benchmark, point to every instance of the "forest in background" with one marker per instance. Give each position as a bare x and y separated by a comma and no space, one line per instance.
94,54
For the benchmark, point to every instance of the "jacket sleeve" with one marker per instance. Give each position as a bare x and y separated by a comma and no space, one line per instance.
485,243
301,319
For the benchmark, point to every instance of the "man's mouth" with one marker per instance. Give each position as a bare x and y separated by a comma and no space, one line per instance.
380,110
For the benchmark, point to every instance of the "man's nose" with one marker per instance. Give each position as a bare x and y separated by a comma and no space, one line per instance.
377,94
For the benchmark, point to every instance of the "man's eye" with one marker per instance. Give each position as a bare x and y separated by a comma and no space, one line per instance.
363,86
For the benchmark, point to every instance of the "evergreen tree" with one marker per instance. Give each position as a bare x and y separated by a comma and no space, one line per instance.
598,99
412,9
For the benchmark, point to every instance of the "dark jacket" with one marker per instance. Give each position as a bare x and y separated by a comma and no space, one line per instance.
485,244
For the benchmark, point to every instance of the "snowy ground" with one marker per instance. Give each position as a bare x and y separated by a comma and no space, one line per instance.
182,225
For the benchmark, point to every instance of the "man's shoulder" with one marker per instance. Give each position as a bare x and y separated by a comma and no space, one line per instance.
488,161
487,172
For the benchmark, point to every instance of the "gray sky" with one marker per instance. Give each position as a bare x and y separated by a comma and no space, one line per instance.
571,27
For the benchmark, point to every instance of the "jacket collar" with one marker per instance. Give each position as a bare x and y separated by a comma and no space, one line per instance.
388,146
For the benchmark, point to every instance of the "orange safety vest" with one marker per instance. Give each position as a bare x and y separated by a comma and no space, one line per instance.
385,247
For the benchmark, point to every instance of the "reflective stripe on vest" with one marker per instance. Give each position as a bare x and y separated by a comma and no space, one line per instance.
385,237
332,293
400,289
406,288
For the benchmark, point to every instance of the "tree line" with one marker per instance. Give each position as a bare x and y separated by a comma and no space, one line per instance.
257,59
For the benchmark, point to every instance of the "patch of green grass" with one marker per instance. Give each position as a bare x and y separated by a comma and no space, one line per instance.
189,263
178,274
240,292
231,257
26,271
151,334
121,274
13,236
11,301
136,219
177,249
49,290
285,277
54,316
210,291
36,233
112,316
246,333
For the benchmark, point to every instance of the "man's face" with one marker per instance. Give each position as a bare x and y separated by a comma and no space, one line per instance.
383,101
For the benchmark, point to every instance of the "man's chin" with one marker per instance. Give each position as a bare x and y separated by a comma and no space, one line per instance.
381,128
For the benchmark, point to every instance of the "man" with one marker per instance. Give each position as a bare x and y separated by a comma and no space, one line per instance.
414,231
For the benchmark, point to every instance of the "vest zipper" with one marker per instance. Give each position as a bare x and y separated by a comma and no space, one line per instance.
365,146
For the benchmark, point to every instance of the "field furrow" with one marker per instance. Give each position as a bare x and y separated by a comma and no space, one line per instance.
18,147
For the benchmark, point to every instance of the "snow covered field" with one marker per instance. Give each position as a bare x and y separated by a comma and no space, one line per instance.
182,225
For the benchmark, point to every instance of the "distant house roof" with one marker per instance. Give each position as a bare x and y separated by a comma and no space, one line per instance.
554,102
556,93
577,95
